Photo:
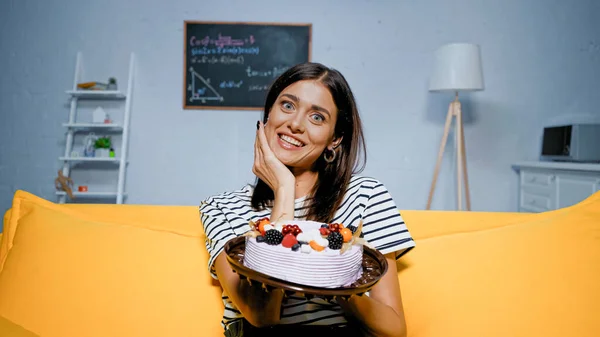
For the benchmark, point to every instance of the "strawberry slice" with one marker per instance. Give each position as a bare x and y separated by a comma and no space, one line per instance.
289,241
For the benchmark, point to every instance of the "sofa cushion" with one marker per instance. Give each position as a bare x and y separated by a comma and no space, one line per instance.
68,274
536,277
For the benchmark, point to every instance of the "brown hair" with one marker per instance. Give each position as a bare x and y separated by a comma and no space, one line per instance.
333,178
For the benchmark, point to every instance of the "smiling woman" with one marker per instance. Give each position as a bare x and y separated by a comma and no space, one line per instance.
308,151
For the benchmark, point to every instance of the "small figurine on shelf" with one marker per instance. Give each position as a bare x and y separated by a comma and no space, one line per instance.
99,115
102,146
112,84
107,119
64,183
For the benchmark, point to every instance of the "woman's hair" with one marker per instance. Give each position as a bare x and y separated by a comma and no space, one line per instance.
333,178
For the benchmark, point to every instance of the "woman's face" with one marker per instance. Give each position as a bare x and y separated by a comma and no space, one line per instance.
301,124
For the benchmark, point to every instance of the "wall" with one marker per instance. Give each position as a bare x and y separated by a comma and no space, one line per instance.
541,63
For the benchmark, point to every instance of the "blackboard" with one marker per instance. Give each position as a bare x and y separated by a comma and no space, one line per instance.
231,65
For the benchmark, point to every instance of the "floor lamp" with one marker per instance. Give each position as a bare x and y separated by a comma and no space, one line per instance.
457,68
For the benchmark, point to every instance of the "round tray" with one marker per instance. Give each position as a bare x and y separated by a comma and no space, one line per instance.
374,267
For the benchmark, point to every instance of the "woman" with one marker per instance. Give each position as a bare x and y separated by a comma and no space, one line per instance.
306,158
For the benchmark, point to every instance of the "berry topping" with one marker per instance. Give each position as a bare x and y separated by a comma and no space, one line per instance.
324,226
291,229
335,227
289,240
273,237
346,234
335,240
296,247
263,221
260,239
324,231
287,229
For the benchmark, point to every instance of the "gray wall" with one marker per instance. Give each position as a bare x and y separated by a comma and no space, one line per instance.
541,61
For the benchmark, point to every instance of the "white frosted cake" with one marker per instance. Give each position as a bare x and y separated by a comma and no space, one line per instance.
305,252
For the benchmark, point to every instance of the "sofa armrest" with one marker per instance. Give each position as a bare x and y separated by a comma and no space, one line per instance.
9,328
5,219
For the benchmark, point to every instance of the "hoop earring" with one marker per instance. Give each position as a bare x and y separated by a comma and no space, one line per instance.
329,160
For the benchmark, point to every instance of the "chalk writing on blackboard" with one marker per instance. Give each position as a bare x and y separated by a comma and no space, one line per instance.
198,92
232,65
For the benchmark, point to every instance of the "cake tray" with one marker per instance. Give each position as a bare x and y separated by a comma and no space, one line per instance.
374,267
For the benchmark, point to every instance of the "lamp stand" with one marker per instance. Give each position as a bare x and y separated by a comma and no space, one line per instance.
454,111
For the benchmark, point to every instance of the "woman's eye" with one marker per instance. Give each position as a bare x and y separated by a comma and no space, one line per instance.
317,118
287,105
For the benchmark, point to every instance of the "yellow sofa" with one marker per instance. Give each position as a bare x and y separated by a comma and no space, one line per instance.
140,270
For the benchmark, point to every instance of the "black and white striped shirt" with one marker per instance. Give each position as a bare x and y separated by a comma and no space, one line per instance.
226,216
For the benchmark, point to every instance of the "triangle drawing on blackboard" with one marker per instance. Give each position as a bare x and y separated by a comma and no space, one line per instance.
201,90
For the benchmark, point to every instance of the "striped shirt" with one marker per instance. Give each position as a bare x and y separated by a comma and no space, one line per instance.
226,216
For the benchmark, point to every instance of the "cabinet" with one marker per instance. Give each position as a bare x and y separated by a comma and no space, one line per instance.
545,186
76,126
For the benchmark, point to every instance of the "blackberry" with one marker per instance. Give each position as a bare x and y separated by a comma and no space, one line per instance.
335,240
273,237
353,229
260,239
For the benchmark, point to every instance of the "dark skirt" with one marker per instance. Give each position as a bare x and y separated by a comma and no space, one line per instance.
242,328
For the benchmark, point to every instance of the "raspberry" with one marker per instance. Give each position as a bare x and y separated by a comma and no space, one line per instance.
291,229
287,229
335,240
273,237
335,227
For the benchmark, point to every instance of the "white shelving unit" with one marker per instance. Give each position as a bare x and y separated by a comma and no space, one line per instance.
73,127
547,186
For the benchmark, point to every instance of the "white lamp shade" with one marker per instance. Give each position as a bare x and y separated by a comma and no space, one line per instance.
457,67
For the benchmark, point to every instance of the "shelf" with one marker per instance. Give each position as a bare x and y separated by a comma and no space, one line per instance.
96,94
90,194
118,102
92,126
97,159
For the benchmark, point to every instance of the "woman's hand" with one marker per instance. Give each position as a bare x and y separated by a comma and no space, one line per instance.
276,175
381,313
267,166
259,307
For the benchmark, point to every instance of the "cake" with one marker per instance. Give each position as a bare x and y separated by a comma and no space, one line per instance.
306,252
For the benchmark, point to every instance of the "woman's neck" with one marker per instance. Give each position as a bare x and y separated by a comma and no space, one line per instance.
305,181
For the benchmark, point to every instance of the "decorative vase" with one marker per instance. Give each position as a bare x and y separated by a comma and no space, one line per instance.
88,145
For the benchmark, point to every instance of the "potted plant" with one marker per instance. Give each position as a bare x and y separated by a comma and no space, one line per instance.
103,145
